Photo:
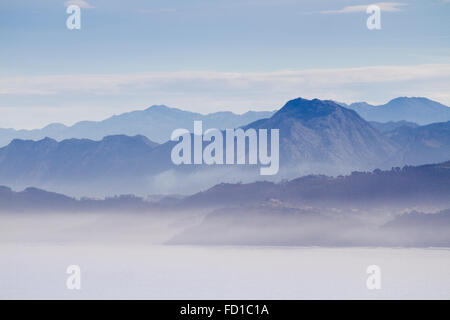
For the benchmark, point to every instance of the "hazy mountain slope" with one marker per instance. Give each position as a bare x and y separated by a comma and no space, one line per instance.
32,199
403,188
37,200
156,123
114,163
384,127
406,187
362,209
424,144
419,110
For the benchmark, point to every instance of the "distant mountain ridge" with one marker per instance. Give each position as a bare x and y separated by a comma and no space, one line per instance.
158,121
155,122
415,109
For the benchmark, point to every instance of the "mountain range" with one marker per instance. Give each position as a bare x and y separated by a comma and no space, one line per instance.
343,180
316,137
155,122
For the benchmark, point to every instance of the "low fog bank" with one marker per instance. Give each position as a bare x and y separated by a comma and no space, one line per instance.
266,225
94,227
271,222
318,227
401,207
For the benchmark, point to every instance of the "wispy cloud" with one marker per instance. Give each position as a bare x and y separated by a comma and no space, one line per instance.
80,3
54,84
384,6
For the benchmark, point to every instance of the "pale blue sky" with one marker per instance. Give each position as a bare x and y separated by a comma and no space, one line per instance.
132,54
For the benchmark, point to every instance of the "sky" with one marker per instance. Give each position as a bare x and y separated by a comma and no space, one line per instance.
214,55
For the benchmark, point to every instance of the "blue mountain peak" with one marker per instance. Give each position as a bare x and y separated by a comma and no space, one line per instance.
307,109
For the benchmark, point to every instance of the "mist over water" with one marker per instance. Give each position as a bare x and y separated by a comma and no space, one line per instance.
124,257
167,272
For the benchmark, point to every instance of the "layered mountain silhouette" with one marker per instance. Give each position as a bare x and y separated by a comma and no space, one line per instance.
361,209
316,137
427,185
156,123
407,187
113,164
417,109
